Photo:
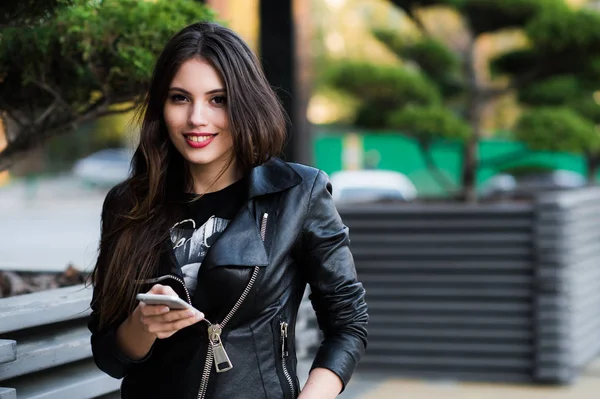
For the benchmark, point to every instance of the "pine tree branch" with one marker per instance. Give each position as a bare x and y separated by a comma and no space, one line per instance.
57,97
438,175
30,137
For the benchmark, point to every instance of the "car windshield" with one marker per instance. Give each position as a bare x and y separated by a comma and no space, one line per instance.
369,194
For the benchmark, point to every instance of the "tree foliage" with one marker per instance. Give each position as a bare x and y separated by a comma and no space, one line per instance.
28,12
381,90
484,16
558,77
85,60
429,123
559,68
401,99
558,129
434,59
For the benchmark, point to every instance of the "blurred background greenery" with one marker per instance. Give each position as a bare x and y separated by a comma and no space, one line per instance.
465,89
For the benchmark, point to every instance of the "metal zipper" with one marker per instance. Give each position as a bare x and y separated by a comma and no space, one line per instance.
216,350
284,353
205,373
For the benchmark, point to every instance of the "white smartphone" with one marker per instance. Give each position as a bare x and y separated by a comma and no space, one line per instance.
171,301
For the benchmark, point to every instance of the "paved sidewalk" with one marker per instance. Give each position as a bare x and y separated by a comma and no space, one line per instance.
587,386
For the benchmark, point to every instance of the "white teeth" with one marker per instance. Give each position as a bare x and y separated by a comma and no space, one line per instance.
199,139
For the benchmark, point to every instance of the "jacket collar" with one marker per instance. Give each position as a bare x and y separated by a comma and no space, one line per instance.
241,243
271,177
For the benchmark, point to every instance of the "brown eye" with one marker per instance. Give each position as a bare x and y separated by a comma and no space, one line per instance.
220,100
178,98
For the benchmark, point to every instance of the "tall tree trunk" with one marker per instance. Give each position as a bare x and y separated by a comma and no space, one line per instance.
474,115
436,173
593,162
283,43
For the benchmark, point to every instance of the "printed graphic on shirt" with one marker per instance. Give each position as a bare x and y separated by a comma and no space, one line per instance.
190,245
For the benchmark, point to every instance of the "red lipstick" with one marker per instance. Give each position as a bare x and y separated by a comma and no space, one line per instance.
199,140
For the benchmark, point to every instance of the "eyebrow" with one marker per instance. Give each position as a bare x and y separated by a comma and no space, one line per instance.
219,90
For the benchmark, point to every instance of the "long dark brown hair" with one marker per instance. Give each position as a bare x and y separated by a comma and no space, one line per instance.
136,215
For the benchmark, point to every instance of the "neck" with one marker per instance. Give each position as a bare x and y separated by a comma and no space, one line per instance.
206,179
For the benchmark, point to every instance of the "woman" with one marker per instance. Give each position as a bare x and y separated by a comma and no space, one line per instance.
209,214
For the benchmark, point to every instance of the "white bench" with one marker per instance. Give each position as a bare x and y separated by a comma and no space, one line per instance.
45,347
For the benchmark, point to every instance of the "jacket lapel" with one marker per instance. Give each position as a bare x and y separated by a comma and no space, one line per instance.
271,177
240,244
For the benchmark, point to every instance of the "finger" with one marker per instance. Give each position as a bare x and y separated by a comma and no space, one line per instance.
152,310
172,316
156,289
175,326
164,335
162,290
176,315
178,325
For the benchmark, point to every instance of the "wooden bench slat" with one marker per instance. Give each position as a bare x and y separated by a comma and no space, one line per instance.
81,380
63,346
8,351
8,393
45,307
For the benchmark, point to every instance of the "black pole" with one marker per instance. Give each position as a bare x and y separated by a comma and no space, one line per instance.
277,52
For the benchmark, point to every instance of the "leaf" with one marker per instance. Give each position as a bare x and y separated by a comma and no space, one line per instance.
429,123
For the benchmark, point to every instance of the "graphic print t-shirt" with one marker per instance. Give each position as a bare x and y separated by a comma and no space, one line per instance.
206,218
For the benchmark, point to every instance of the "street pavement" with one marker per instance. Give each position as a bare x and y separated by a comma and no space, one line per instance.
378,386
387,386
49,225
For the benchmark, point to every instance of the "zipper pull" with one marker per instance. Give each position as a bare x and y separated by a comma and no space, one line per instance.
284,336
222,362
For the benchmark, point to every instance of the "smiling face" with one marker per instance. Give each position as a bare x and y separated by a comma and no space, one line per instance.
195,114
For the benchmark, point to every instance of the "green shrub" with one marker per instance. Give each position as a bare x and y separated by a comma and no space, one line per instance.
556,31
557,129
527,170
381,89
428,123
87,48
553,91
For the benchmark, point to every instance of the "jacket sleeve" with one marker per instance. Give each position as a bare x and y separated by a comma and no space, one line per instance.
107,354
337,297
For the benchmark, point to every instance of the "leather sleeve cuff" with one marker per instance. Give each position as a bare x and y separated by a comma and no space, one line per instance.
109,357
334,357
120,355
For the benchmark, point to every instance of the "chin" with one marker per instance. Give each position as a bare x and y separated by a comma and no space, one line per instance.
205,158
200,156
196,160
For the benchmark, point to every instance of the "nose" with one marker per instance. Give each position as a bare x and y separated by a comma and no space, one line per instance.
197,115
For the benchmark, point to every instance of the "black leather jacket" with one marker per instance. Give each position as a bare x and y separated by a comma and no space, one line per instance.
304,242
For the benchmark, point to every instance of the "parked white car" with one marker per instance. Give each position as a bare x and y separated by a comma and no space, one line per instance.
506,185
104,168
359,186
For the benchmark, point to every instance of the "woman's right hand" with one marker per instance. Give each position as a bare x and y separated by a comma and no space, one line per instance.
159,320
